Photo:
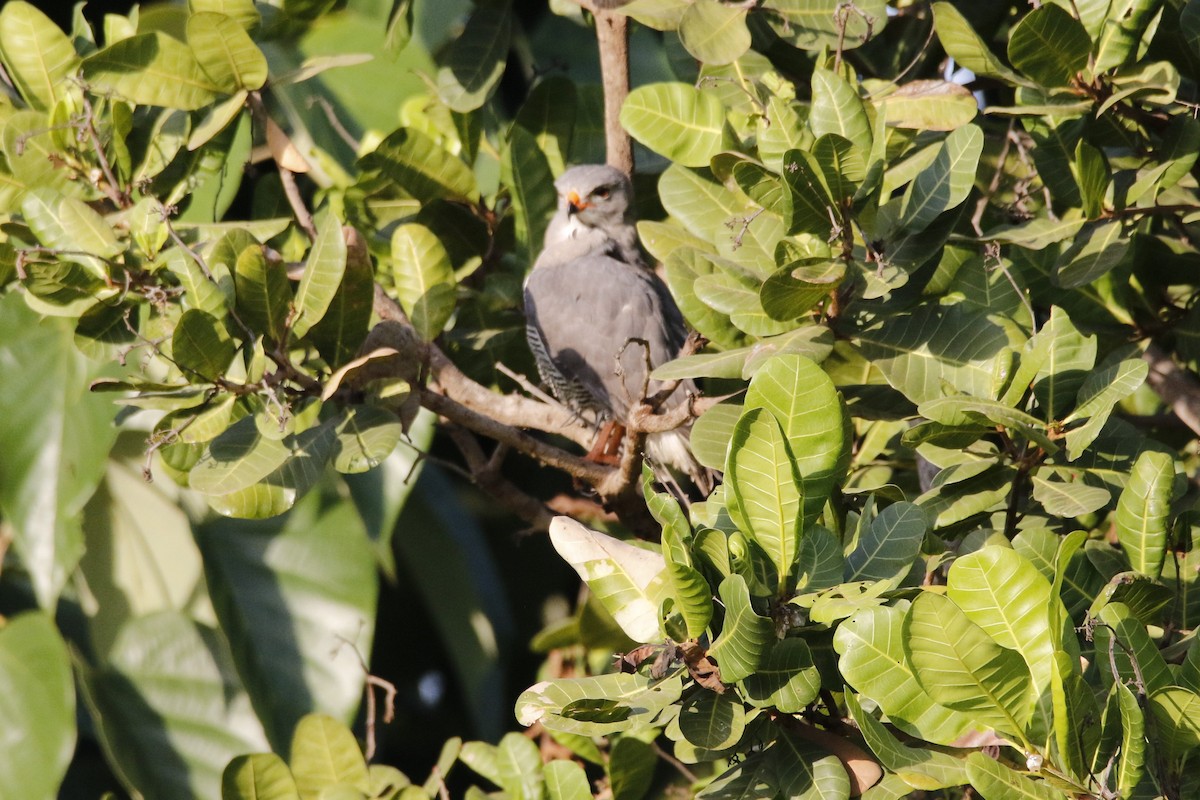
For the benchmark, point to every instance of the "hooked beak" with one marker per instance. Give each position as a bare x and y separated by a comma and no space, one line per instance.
576,202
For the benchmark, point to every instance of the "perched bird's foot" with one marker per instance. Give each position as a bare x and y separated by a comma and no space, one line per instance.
607,449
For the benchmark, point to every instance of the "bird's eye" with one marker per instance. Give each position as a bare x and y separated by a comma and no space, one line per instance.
602,193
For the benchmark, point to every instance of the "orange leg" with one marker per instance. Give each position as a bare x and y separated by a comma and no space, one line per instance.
607,449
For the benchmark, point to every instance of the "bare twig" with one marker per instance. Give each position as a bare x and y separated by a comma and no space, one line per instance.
292,192
486,473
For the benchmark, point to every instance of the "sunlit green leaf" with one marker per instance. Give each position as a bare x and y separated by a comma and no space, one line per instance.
676,120
261,776
960,666
225,52
714,33
37,55
1142,512
424,278
152,69
323,270
39,706
745,638
325,753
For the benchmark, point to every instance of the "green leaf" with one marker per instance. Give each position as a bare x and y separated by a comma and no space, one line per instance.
201,346
471,67
566,780
837,108
151,69
786,679
169,711
714,33
806,771
1133,653
38,709
424,170
929,105
993,780
711,434
1177,712
629,582
200,293
754,778
921,768
323,271
518,766
712,721
959,665
1143,512
260,776
1099,248
343,326
946,182
264,296
965,46
366,435
1131,764
807,406
37,55
1049,45
643,697
282,592
961,410
745,637
1008,598
813,24
889,547
785,296
55,437
684,267
763,488
527,172
241,457
1101,391
1066,357
226,53
809,208
873,660
424,278
677,120
548,113
631,768
324,753
64,223
919,352
1075,713
820,563
1062,499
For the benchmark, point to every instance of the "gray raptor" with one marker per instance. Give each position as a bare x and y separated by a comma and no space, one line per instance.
594,310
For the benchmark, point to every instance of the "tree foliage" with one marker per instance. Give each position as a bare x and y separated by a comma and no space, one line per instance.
943,259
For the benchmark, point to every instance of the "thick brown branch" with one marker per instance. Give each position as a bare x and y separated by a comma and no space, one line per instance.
515,438
1176,386
507,409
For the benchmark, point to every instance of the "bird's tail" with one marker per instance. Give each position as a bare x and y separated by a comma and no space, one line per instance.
674,449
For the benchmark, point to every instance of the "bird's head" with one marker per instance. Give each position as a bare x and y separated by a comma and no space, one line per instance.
595,195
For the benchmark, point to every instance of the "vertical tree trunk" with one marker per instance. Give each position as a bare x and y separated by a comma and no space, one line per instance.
612,36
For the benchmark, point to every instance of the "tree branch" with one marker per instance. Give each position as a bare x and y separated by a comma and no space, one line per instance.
1176,386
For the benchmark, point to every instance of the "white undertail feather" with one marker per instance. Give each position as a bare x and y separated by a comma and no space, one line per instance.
673,449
